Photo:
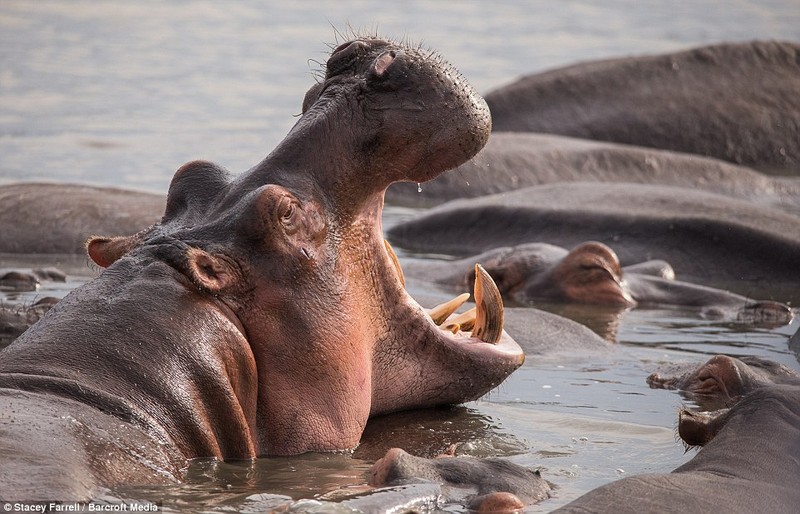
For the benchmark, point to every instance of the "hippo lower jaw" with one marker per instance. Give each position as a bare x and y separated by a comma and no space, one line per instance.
442,357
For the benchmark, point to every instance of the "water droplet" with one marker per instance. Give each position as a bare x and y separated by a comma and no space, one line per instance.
419,187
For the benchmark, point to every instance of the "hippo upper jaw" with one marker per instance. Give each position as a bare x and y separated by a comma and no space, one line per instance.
414,116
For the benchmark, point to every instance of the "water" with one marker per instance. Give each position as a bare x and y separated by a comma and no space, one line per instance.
123,93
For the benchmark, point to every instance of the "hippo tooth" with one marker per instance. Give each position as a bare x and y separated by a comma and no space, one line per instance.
441,312
464,321
455,328
489,305
396,262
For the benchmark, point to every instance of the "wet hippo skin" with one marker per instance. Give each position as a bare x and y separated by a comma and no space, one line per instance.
706,237
591,273
264,314
736,102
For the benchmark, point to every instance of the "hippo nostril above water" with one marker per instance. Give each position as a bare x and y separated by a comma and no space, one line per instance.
383,62
348,44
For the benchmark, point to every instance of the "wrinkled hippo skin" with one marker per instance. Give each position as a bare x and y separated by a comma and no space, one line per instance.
485,485
748,463
59,218
514,160
722,380
591,273
708,238
264,314
736,102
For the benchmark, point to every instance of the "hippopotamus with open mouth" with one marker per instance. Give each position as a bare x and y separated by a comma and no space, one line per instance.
264,314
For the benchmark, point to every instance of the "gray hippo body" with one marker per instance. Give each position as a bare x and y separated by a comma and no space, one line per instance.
707,238
245,322
59,218
591,273
515,160
735,102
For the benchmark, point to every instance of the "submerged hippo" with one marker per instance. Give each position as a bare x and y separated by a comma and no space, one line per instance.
722,380
591,273
513,160
59,218
264,314
748,463
485,485
708,238
736,102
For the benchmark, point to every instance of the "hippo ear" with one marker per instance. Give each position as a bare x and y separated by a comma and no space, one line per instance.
105,251
697,429
211,272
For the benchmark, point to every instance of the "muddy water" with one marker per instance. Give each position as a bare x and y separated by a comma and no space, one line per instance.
122,93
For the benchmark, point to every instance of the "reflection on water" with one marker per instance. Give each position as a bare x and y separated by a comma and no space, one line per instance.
123,93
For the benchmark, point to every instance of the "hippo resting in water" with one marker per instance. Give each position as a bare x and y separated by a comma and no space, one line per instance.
748,463
591,273
708,238
264,314
736,102
59,218
513,160
722,380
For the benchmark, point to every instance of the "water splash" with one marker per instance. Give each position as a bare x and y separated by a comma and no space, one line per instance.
419,187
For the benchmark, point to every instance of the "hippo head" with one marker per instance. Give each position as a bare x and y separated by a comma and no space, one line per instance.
293,250
589,273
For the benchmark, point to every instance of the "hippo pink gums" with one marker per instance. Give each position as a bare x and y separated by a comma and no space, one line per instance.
264,314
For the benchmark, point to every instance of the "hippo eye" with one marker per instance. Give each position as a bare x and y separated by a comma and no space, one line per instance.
287,214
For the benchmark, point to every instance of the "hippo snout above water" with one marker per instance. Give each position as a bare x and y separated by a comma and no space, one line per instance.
264,314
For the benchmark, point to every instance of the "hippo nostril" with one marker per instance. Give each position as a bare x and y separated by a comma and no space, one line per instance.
342,47
344,57
355,45
383,62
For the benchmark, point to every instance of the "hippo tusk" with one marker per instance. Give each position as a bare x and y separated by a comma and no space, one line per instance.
396,262
489,305
441,312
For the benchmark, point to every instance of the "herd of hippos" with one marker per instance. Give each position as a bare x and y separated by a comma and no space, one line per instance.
264,313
